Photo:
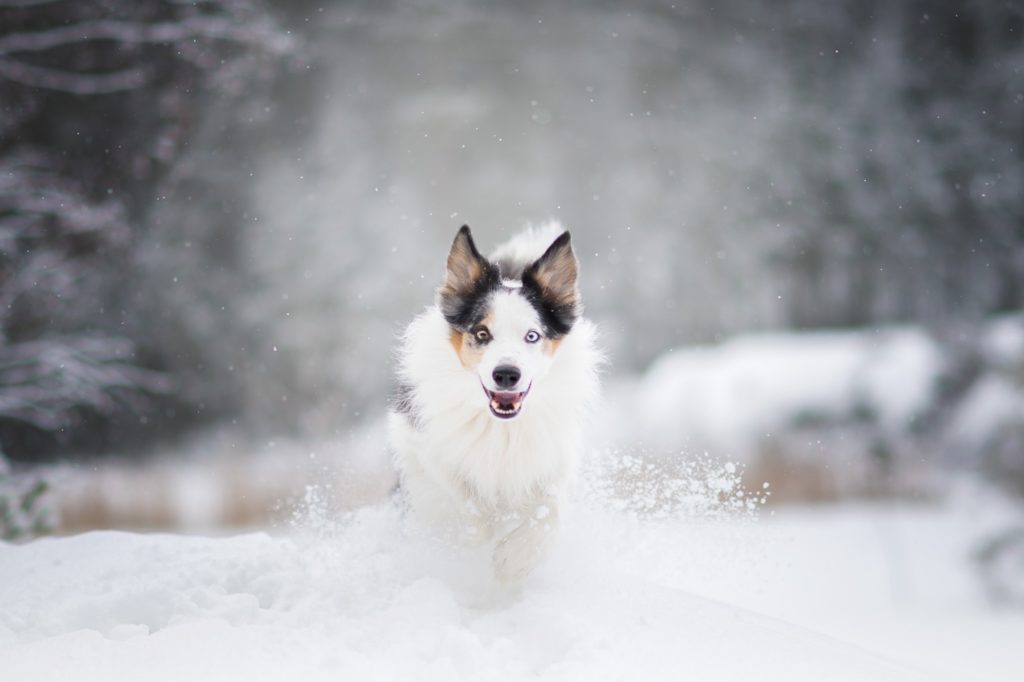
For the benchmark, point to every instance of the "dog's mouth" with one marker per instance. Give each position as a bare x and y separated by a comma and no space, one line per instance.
505,404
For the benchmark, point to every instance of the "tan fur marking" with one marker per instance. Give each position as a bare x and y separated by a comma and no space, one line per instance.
466,348
551,345
469,353
455,338
559,278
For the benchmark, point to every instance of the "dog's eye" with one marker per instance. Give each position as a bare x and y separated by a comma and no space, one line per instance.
532,336
482,335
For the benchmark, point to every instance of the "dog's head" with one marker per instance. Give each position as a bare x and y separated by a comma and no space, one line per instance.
507,331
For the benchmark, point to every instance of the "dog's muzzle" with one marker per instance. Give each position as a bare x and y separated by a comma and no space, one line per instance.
506,404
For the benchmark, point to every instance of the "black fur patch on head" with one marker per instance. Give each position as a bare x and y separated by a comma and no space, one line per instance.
549,285
469,280
465,312
556,320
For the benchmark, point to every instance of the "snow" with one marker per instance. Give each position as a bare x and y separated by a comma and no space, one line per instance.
1003,340
991,402
729,397
839,593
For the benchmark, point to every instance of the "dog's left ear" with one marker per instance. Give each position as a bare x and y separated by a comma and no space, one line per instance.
465,264
552,279
466,274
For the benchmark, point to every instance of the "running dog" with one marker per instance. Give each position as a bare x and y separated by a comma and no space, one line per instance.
494,381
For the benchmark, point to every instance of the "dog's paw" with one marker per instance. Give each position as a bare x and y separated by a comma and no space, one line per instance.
514,559
520,551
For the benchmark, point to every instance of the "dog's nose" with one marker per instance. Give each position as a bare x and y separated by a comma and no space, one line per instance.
506,376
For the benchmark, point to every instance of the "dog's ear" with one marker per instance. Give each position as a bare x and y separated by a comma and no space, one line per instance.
551,279
467,273
465,265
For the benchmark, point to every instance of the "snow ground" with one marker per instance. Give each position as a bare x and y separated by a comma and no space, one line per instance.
853,592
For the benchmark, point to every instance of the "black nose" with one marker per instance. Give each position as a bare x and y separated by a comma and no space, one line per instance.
506,376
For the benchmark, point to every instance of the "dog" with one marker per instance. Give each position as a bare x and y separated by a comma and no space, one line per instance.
494,382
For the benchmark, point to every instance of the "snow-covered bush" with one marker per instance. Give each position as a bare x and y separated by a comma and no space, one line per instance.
837,413
1000,561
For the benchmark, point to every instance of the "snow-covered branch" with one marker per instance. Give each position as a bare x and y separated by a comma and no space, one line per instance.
44,382
71,82
222,22
260,34
49,232
18,4
52,240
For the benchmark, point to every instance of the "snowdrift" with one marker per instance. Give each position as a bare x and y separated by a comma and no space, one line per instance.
869,411
622,597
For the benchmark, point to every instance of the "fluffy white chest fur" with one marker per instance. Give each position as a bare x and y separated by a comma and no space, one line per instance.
495,381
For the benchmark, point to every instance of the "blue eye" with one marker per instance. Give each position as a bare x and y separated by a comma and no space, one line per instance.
532,336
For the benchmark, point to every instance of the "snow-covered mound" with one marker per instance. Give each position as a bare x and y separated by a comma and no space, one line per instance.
872,410
731,397
621,598
368,606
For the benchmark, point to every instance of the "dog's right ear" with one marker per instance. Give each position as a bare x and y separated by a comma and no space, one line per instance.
467,273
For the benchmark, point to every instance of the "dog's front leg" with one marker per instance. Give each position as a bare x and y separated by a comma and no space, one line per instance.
520,551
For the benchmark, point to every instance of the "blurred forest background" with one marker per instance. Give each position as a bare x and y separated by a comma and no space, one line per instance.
216,215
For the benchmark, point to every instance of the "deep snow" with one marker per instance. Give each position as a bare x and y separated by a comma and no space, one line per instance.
844,593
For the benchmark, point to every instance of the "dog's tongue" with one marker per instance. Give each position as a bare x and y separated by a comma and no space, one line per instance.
507,401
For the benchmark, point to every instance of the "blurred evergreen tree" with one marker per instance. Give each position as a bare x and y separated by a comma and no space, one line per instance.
99,97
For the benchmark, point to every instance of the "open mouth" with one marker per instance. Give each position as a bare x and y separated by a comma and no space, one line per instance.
505,404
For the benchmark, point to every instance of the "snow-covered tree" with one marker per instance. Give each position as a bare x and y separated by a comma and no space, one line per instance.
99,100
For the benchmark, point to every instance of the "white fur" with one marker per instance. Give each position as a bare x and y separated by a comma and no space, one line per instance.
528,245
485,478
